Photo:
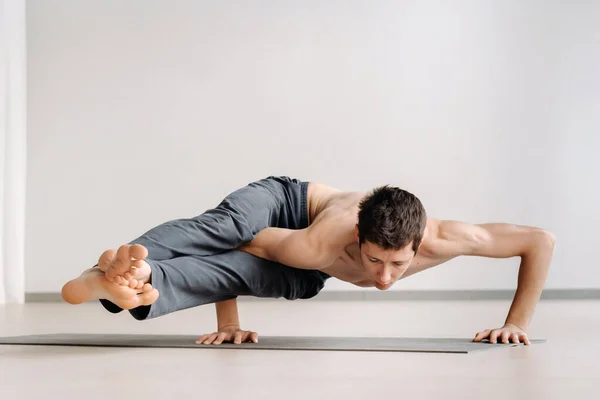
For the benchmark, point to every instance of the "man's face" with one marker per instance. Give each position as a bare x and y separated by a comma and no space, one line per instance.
385,266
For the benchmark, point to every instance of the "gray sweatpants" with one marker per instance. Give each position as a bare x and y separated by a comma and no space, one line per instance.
194,261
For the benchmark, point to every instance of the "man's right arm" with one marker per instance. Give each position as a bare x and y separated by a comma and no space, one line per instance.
303,248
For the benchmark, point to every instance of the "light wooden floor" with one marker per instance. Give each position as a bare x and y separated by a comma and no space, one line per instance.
566,367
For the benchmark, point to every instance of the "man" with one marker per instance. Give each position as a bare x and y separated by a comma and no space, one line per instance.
282,237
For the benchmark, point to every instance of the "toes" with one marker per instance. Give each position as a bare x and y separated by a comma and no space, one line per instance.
138,252
136,265
146,287
106,260
127,258
148,298
133,283
140,285
123,259
128,276
120,281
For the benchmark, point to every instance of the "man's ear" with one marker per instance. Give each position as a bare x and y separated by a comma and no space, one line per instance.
356,235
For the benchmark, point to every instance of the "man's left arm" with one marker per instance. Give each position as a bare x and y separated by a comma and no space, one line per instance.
534,246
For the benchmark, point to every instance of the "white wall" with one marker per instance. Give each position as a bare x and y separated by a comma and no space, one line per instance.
143,111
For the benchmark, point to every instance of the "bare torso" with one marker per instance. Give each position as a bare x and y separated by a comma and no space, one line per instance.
328,205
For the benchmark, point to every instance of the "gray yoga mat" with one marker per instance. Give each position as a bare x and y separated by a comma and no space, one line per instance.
388,344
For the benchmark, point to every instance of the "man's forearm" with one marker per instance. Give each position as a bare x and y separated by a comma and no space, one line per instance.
532,277
227,313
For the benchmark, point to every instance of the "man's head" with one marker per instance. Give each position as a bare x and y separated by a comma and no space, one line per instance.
390,228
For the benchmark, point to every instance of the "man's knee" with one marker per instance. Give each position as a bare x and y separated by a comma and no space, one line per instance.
259,277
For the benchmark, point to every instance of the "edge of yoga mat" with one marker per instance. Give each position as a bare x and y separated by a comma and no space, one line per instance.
306,343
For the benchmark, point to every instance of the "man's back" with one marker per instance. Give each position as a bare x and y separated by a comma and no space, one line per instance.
326,198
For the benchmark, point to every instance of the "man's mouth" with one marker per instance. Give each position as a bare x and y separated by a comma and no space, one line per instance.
382,286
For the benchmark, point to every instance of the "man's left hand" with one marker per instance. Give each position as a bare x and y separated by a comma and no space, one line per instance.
509,333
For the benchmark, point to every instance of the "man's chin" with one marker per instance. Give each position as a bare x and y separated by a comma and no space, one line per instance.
383,287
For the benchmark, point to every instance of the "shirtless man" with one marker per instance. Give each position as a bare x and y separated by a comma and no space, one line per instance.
282,237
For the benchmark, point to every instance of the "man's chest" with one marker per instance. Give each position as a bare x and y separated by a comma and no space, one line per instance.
349,270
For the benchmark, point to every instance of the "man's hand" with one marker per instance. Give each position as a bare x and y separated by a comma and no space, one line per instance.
228,326
509,333
229,333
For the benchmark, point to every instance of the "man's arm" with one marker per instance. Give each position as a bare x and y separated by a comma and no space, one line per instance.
309,248
534,246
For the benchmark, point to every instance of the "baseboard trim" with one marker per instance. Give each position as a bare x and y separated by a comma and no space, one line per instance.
398,295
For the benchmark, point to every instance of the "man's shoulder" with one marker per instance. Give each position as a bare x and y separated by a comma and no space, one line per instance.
333,228
452,238
433,243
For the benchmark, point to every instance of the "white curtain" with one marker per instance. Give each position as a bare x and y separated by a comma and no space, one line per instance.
12,150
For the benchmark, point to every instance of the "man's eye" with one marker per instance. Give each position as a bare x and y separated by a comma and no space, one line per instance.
373,260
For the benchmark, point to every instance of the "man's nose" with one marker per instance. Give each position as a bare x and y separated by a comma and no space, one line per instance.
385,275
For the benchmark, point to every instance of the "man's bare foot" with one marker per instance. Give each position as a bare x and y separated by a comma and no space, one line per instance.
93,285
126,266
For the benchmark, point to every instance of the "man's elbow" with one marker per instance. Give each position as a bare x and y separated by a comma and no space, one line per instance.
548,238
543,239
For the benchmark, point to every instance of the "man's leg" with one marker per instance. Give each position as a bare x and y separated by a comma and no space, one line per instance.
270,202
274,201
191,281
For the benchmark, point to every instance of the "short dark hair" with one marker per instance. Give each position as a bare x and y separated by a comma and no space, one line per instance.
391,218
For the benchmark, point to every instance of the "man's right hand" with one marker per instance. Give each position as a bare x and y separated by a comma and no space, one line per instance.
229,333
